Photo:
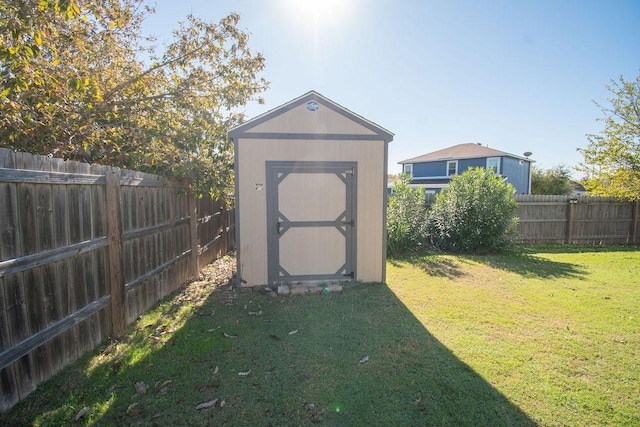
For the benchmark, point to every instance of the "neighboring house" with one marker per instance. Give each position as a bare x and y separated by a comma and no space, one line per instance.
577,189
433,171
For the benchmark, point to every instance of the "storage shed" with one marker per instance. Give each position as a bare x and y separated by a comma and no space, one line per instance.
310,183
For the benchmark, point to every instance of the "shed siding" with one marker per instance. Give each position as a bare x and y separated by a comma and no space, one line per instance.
252,154
301,120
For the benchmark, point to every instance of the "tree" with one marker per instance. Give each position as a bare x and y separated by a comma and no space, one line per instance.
554,181
80,82
612,158
474,213
406,217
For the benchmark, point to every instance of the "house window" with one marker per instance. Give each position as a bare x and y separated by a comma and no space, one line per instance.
408,168
452,167
494,163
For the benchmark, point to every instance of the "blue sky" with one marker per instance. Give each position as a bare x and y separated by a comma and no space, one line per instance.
514,75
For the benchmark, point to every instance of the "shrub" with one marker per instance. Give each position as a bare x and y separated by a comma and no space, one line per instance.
406,217
474,213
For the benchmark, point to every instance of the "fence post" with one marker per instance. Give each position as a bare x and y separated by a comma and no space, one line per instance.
571,215
634,224
225,230
114,230
193,232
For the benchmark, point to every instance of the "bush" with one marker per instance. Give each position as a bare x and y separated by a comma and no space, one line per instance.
406,217
474,213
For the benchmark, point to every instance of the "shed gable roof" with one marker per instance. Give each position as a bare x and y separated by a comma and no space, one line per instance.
461,151
294,120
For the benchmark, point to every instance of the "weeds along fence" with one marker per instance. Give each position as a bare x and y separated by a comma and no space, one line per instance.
84,251
575,219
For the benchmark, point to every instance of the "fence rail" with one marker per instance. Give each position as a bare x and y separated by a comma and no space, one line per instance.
84,251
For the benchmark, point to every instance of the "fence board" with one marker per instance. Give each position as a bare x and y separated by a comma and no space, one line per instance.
67,338
8,387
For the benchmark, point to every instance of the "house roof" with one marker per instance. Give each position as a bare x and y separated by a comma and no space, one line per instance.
461,151
244,129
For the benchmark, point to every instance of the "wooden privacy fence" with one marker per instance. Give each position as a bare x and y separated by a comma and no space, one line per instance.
581,219
574,219
84,251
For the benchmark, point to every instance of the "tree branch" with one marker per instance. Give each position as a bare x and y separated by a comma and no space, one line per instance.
137,78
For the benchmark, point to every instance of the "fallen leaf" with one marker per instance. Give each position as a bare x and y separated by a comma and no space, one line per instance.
364,359
82,412
215,371
214,329
163,391
226,335
275,337
295,331
132,410
164,384
244,374
206,405
141,387
222,404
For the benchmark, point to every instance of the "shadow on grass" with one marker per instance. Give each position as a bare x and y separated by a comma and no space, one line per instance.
304,360
432,263
523,260
530,265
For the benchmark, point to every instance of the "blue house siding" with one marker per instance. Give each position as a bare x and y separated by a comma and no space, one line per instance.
430,169
465,164
439,168
517,174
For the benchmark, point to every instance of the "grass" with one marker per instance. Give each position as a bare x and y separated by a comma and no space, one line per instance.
543,335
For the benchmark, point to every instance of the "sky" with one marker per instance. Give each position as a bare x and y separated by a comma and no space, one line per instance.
515,75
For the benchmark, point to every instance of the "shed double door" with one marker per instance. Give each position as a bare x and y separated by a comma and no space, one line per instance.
311,228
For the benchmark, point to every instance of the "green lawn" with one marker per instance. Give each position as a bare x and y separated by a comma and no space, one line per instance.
543,335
